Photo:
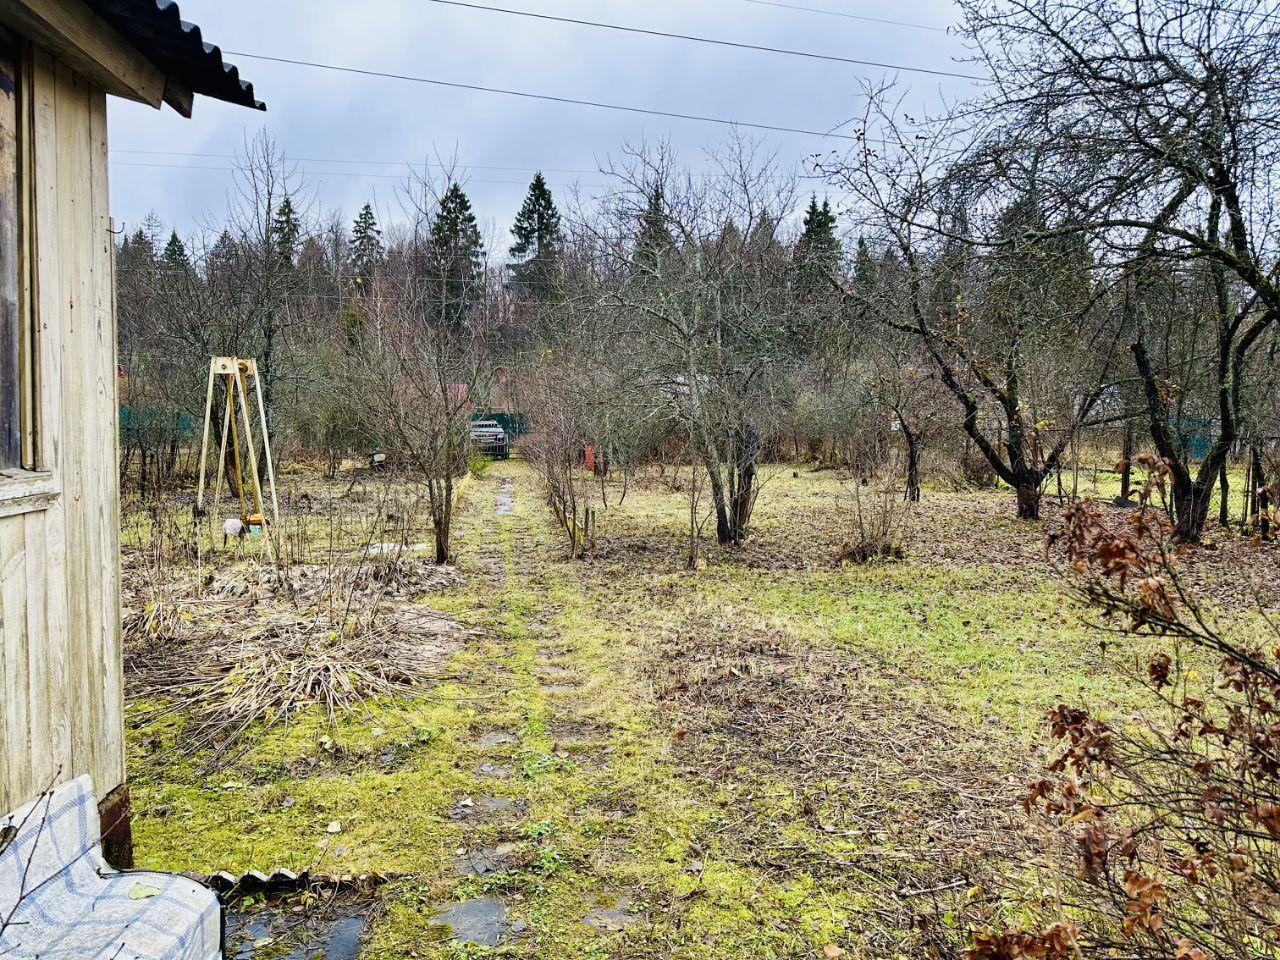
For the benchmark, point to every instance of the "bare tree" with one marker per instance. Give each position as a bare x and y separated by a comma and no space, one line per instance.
1155,125
701,281
1020,330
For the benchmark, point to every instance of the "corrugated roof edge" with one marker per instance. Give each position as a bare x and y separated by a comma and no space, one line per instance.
177,48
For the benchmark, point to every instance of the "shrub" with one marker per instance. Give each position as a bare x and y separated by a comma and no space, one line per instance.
478,465
877,517
1167,827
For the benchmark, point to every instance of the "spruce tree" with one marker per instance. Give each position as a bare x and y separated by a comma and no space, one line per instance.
818,252
654,242
537,243
864,269
138,249
285,233
456,277
175,255
366,245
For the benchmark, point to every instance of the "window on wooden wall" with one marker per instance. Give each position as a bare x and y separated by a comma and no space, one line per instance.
17,373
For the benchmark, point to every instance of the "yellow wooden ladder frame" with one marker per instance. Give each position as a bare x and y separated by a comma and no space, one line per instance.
235,372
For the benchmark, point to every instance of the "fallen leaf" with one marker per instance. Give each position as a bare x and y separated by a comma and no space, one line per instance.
142,891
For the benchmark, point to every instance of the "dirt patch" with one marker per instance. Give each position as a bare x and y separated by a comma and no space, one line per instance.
494,738
569,734
484,809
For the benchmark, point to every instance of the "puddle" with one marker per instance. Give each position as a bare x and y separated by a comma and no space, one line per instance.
482,921
495,770
279,933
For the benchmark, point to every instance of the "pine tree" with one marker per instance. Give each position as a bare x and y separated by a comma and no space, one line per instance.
456,276
366,245
654,242
818,252
285,233
537,242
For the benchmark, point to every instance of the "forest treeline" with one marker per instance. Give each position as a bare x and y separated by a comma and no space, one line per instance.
1082,253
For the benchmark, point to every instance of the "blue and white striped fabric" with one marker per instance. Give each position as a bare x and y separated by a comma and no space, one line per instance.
59,900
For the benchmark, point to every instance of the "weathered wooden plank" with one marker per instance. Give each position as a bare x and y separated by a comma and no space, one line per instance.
75,309
17,745
10,317
88,44
47,763
46,271
103,450
30,345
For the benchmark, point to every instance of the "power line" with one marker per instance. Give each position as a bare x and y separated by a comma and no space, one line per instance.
460,166
376,163
847,16
710,40
542,96
302,173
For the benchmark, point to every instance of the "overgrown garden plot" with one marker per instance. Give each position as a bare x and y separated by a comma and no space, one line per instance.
773,756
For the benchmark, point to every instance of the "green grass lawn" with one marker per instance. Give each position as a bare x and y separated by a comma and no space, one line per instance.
757,759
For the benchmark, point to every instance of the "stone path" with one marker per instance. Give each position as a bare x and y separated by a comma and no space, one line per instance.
548,683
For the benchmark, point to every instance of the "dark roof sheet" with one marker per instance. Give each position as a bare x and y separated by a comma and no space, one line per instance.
177,49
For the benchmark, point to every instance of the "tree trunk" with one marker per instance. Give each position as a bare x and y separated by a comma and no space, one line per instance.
1027,489
913,464
1191,509
442,544
440,495
1224,493
1264,495
1126,462
724,528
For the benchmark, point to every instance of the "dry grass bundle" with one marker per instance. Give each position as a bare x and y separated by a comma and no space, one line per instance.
394,574
244,688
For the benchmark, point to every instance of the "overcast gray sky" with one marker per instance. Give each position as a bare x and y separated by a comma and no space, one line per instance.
319,117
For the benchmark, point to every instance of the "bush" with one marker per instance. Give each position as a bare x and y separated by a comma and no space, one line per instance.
877,517
1166,828
478,465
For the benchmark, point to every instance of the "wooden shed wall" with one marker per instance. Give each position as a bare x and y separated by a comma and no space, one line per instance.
61,684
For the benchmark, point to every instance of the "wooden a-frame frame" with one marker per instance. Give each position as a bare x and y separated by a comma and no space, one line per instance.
234,372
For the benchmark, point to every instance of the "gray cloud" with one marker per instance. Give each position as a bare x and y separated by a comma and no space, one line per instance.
385,123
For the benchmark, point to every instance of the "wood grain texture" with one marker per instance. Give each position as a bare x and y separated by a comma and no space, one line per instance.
61,713
85,42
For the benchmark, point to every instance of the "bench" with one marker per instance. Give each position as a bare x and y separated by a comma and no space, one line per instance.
59,900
